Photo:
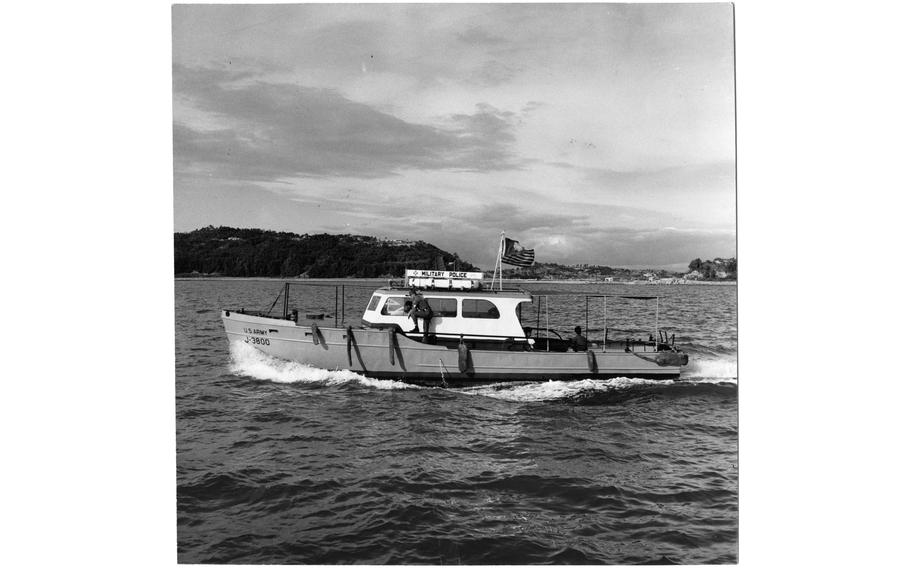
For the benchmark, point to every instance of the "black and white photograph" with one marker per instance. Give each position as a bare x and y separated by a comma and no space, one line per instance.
455,284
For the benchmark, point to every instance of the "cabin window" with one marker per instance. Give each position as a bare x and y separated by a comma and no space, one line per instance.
394,306
479,309
374,301
443,307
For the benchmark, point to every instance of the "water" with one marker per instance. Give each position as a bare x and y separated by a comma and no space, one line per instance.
282,463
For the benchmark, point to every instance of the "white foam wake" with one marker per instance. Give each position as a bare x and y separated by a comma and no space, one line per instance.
554,390
724,370
249,361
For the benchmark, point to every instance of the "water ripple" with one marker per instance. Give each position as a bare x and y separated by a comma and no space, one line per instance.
284,463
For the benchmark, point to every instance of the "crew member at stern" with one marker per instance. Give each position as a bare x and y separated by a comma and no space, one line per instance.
578,341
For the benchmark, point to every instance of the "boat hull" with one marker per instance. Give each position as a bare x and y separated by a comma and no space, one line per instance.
387,354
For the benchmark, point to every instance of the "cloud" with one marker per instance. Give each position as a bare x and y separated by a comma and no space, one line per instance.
532,106
574,235
703,193
638,247
496,215
451,219
676,177
494,73
365,119
478,36
273,131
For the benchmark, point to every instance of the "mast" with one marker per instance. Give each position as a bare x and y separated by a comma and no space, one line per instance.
657,320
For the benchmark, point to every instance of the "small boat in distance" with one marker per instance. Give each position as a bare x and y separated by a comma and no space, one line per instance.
473,334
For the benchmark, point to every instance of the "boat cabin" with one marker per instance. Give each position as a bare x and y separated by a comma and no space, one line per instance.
462,309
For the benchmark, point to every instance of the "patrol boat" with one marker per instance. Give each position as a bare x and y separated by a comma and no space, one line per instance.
474,335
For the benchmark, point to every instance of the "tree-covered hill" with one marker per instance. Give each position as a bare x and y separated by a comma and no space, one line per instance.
717,269
708,270
227,251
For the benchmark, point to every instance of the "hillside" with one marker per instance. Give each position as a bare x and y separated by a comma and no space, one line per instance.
710,270
717,269
226,251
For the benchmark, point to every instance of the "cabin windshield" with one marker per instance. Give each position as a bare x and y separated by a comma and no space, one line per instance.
374,301
394,306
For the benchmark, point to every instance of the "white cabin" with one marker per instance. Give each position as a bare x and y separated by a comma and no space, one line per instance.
461,308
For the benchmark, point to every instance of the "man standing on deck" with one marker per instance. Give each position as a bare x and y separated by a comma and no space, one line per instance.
578,342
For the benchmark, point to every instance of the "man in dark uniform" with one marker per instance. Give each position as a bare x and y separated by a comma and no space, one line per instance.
578,342
421,310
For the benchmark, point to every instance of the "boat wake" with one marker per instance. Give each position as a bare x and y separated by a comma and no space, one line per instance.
711,371
560,390
250,362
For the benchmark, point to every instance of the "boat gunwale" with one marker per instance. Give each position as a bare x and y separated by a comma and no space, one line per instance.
417,344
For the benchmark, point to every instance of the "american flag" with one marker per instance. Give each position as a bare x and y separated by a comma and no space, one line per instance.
516,255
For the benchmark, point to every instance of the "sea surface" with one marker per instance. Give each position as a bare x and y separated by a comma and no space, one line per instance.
283,463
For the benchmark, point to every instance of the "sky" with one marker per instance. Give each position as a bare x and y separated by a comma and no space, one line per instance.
593,133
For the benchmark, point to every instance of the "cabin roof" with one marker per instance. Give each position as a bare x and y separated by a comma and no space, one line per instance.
476,293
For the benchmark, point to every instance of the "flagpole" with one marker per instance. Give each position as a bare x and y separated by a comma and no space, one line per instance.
502,243
495,268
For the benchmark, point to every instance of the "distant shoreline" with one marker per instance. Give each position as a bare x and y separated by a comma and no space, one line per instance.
507,280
